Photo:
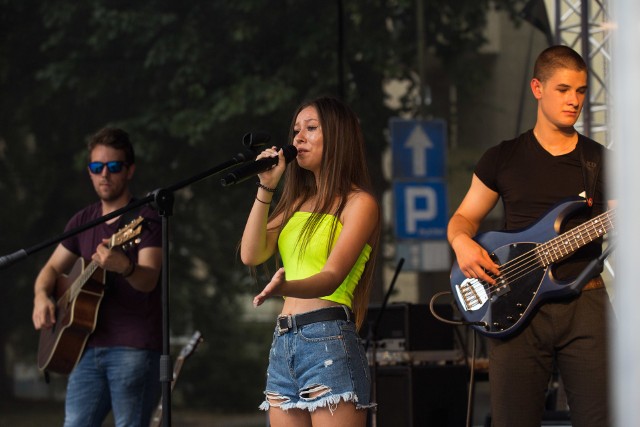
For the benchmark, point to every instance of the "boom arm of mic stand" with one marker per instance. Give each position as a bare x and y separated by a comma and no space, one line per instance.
10,259
7,260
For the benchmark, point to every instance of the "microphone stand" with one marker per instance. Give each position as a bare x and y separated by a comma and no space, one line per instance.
161,200
372,337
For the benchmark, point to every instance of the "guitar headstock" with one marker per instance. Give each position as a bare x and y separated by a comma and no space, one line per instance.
190,347
127,233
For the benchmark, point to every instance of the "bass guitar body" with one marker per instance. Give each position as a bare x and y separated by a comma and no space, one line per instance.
525,259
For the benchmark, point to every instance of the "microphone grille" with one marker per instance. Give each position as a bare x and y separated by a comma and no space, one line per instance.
290,152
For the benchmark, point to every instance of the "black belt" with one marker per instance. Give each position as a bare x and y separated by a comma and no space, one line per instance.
286,322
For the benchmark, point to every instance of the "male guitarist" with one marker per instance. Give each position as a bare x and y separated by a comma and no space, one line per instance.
532,173
119,366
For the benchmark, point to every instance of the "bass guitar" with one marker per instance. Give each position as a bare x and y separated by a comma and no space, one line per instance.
77,299
525,259
186,351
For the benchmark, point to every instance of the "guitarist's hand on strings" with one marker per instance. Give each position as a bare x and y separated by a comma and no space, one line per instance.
111,260
44,311
44,308
473,260
142,274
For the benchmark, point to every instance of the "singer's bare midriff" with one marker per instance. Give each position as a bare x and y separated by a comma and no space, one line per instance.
299,305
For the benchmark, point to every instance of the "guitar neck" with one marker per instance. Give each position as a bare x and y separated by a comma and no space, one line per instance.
82,278
572,240
177,367
86,274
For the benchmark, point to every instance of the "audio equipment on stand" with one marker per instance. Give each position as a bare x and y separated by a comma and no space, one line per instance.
408,333
419,381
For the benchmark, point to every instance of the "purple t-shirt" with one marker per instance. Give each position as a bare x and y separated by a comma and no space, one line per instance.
126,317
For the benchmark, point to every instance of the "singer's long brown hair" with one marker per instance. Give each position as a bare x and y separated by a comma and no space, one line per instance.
343,171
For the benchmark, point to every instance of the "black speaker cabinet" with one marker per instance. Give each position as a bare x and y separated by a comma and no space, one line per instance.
421,396
411,324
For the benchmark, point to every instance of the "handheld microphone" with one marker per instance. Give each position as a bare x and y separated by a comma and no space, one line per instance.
246,171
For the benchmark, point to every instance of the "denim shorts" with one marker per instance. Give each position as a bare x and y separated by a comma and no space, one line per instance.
317,365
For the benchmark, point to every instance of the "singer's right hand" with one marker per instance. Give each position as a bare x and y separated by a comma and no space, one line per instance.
271,289
271,177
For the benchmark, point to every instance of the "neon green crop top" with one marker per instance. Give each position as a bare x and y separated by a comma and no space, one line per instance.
315,255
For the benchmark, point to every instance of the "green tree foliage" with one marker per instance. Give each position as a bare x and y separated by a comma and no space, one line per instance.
187,79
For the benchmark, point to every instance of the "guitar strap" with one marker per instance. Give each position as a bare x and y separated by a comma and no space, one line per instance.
591,159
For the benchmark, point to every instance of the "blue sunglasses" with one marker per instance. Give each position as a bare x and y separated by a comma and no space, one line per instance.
114,166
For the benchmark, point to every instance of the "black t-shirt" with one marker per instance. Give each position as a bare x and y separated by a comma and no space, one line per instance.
530,181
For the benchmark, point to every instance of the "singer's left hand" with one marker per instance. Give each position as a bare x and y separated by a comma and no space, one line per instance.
271,289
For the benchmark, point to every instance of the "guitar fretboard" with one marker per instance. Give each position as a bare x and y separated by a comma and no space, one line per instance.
569,242
76,286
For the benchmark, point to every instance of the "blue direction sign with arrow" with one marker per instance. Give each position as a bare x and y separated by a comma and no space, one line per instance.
418,148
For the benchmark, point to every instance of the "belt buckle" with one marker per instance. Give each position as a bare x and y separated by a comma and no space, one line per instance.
284,324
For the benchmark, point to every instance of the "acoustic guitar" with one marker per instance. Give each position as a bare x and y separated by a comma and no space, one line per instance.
77,299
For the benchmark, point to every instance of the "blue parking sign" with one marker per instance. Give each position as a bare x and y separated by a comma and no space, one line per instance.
420,209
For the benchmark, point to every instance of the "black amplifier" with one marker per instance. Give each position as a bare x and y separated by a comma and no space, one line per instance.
410,327
421,396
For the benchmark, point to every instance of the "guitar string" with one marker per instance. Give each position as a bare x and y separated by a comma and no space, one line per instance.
532,259
529,261
77,286
593,229
524,264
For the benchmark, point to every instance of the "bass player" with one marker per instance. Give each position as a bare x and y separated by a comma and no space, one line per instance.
532,173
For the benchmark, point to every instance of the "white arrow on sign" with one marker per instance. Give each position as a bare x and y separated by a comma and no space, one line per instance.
419,142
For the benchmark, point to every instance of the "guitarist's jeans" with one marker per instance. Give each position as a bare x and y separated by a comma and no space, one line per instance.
121,378
574,334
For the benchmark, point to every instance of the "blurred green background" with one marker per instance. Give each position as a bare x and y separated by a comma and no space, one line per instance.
187,80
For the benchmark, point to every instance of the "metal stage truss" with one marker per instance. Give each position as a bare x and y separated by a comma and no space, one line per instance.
586,27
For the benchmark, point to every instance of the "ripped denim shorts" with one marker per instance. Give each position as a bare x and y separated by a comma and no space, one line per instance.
317,365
